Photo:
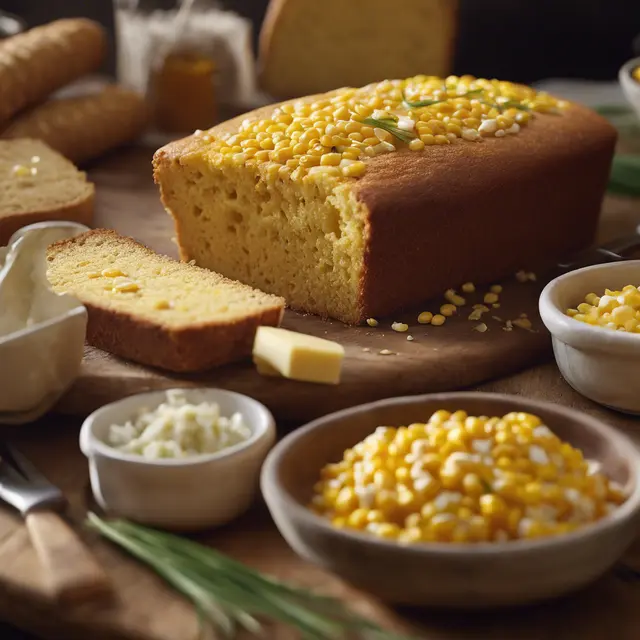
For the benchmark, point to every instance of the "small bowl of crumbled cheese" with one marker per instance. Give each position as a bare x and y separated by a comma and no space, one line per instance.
182,459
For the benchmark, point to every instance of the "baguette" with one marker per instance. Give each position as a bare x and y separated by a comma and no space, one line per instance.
38,184
154,310
36,63
85,127
352,218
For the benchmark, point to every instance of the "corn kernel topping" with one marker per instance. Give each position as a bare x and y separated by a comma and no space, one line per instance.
614,310
335,136
461,478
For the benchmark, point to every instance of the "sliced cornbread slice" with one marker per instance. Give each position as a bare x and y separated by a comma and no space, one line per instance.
154,310
38,184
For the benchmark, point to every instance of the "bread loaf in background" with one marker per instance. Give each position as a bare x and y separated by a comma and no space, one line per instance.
84,127
154,310
37,184
310,201
308,46
36,63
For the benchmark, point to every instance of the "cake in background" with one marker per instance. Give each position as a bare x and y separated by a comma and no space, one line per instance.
313,47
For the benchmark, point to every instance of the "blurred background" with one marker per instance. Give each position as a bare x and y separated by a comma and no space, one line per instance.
518,40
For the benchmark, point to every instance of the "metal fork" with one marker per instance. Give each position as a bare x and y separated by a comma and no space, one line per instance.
72,572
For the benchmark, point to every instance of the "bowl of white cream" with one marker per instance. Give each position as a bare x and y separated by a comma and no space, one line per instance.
180,459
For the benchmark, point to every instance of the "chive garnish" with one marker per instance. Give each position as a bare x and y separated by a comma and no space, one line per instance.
228,595
389,124
428,103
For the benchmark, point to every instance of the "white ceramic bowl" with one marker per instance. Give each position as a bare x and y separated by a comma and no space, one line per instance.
42,333
630,86
179,494
601,364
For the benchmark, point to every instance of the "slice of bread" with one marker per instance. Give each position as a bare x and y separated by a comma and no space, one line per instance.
154,310
38,184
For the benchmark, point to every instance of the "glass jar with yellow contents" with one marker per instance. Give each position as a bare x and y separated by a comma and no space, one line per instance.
189,57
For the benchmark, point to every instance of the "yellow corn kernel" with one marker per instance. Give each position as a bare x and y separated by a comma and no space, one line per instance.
468,287
125,286
400,327
346,501
490,298
472,485
113,273
383,479
411,535
330,159
425,317
438,320
448,310
354,170
451,296
358,519
387,530
162,305
372,322
492,506
442,525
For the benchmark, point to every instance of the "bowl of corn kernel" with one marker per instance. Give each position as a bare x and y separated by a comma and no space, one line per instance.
593,315
629,76
457,499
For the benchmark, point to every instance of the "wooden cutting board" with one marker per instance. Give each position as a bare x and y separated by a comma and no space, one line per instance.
438,358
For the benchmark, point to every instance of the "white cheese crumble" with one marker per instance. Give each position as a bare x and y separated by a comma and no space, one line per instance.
178,429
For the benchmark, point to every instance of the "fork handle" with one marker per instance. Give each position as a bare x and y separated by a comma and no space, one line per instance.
73,573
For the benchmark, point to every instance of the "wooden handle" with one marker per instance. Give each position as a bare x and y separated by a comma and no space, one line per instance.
73,573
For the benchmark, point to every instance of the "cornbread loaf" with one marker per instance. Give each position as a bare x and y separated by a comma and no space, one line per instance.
38,184
357,203
154,310
84,127
36,63
311,47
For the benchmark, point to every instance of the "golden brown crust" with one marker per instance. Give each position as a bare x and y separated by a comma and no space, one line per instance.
198,347
466,211
481,211
79,211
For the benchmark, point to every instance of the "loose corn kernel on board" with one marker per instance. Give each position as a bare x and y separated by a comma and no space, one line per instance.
145,609
438,358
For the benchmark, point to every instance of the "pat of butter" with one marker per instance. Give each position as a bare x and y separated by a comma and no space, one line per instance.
297,356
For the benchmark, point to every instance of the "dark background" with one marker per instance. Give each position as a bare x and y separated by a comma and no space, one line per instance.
519,40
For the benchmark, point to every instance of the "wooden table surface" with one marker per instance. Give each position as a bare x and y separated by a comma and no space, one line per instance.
148,611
